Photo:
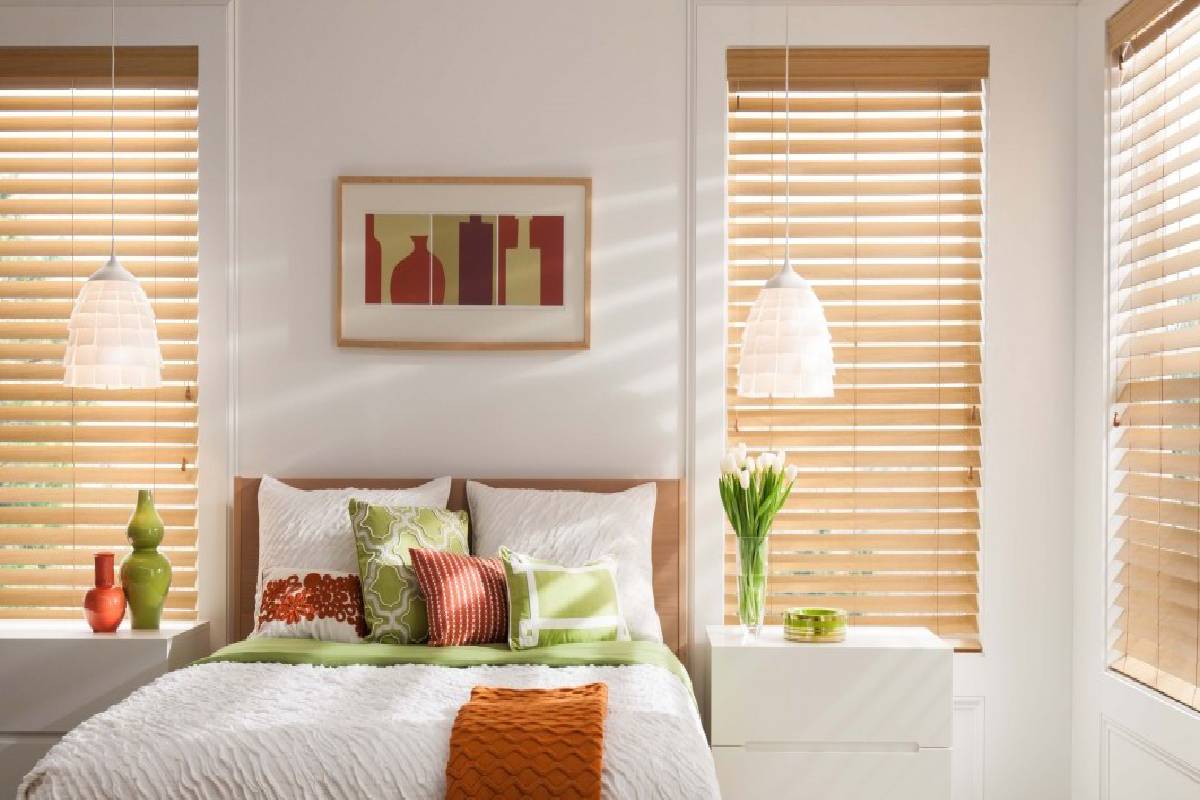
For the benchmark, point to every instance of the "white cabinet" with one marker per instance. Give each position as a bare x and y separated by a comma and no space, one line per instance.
55,674
866,719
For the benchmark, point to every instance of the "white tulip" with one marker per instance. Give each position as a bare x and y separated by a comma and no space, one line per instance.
741,453
780,459
791,472
748,464
729,464
745,479
766,461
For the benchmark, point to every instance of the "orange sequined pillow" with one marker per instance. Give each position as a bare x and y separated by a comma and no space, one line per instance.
466,597
298,604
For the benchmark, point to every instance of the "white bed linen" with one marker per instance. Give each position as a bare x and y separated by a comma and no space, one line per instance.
233,730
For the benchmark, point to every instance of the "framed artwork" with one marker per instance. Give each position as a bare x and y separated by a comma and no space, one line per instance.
464,263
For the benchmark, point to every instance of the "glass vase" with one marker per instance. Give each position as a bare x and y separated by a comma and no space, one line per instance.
751,583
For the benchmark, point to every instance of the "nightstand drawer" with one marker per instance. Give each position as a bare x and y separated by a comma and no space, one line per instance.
750,774
889,687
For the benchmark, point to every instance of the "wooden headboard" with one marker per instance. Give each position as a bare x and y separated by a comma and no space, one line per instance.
669,550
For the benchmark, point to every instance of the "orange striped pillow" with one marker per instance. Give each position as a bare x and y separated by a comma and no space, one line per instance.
466,597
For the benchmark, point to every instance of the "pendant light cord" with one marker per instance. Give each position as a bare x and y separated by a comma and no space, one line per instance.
112,134
787,139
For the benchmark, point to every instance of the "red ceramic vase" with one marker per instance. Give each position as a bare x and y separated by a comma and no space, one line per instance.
104,606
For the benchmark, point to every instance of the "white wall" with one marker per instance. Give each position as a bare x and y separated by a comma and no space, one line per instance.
536,87
1129,743
1021,683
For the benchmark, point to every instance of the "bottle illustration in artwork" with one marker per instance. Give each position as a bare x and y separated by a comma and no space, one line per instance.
475,262
419,276
372,265
523,272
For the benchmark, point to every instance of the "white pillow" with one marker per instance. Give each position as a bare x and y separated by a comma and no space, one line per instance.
572,529
310,530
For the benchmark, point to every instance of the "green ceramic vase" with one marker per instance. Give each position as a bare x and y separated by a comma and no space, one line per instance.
145,573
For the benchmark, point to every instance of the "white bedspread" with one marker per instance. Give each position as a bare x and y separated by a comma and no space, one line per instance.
232,730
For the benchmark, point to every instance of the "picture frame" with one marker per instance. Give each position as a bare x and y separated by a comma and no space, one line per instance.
460,263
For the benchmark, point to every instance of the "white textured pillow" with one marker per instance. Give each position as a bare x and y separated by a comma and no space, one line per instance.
310,530
572,529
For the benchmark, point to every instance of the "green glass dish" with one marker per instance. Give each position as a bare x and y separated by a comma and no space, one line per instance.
814,625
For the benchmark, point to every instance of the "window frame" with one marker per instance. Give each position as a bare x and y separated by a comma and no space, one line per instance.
1133,28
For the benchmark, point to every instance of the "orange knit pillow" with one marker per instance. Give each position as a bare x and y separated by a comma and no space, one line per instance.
465,595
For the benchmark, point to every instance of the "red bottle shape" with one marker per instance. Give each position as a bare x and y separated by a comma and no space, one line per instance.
475,261
418,274
104,606
373,264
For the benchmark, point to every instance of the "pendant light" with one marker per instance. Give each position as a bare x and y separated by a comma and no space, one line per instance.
786,347
112,340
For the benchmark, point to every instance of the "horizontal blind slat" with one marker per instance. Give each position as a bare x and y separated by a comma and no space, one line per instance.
70,556
43,164
101,101
799,124
98,186
57,289
69,576
774,102
884,353
951,333
751,207
142,268
852,167
858,145
30,123
860,188
124,143
802,229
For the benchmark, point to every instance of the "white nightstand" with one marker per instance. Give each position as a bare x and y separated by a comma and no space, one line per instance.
55,674
866,719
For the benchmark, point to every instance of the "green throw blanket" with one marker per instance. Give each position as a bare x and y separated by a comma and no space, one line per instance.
339,654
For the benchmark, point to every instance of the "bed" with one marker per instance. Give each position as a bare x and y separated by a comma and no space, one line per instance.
303,718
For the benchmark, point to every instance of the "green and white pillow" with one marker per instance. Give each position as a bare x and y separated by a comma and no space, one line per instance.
551,604
394,608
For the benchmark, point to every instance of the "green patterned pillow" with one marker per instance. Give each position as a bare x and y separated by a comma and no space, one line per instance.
550,604
395,609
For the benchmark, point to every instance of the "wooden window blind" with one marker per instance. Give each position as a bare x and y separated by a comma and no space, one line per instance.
886,173
71,460
1154,344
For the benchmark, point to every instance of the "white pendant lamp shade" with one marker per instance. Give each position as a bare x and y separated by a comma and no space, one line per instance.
112,341
786,348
